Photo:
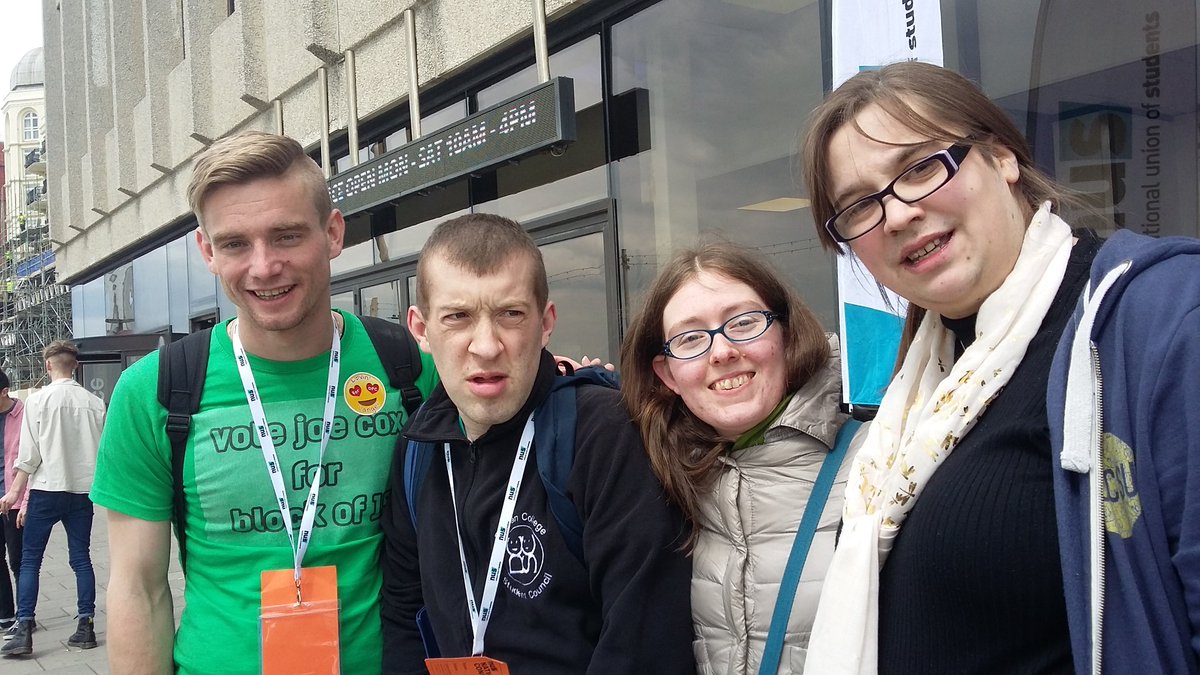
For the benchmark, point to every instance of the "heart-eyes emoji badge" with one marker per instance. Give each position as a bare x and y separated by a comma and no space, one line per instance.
364,393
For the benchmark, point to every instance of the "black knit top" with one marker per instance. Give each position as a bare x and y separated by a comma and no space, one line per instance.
973,583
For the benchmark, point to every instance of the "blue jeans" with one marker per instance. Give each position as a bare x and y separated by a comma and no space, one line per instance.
44,510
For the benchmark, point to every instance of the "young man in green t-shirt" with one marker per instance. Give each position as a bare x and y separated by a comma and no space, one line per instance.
268,231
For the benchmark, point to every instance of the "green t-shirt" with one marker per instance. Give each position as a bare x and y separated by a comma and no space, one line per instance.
234,527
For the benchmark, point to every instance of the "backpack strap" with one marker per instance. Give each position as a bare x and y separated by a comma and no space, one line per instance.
805,531
181,370
400,356
554,448
417,458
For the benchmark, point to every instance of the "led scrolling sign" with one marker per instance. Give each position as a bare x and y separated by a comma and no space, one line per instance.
541,117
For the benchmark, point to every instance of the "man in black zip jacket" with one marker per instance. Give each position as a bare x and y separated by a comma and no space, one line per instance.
624,608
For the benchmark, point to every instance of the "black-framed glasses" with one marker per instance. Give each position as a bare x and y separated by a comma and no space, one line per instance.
741,328
916,183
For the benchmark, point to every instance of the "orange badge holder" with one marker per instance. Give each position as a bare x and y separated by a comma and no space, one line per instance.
300,637
467,665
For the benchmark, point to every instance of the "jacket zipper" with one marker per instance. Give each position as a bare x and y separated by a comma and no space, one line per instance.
1098,537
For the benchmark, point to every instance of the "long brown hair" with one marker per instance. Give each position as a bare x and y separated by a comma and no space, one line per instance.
685,451
935,102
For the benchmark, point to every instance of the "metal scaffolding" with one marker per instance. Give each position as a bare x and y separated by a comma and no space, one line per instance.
35,310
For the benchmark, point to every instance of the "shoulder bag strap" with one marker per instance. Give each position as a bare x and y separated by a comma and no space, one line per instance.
773,650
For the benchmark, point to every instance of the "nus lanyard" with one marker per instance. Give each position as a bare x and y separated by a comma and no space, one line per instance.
481,614
258,415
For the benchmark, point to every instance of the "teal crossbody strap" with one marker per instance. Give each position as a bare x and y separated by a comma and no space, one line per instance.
804,536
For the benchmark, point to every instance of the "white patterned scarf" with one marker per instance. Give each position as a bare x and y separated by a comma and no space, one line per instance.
931,403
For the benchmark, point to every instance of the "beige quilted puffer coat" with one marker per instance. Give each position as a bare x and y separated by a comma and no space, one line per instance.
748,525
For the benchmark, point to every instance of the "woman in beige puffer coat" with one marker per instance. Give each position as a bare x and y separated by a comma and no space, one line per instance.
736,389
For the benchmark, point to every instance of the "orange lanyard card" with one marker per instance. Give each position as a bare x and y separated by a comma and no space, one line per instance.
300,637
467,665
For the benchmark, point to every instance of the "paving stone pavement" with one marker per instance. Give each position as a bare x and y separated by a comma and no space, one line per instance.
56,609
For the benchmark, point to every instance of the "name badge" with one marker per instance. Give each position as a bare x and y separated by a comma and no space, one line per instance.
299,630
466,665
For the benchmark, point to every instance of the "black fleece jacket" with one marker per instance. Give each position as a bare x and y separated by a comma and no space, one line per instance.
625,609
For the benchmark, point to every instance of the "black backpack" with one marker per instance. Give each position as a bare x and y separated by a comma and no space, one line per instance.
182,366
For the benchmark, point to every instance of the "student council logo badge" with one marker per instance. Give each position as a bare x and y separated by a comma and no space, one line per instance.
525,558
364,393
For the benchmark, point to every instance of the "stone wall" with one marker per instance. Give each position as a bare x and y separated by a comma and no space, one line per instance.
136,88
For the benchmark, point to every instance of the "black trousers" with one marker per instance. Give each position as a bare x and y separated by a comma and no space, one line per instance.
10,545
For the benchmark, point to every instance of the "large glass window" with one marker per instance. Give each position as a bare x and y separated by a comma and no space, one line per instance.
150,293
202,284
716,92
343,301
444,117
359,251
396,139
87,309
575,269
177,282
1106,92
118,301
580,62
383,302
549,183
408,241
343,163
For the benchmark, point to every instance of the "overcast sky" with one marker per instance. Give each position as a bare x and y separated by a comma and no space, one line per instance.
20,31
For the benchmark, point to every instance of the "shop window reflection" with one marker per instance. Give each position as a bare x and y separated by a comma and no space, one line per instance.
717,132
202,284
383,302
408,241
395,140
1098,88
87,309
580,62
575,269
358,249
177,282
118,301
444,117
343,301
151,291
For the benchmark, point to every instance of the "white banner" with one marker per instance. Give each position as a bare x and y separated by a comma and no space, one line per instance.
867,35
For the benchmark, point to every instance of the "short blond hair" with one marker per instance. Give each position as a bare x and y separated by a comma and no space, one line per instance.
251,155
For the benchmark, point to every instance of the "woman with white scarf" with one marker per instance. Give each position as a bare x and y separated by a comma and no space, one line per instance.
949,556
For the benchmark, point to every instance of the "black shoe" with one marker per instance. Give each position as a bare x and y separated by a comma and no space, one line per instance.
85,635
12,630
21,643
5,624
